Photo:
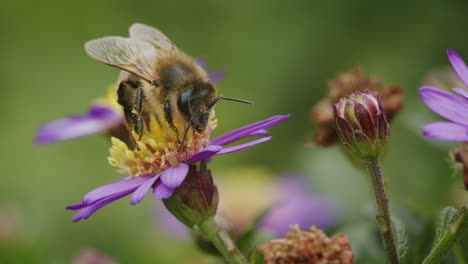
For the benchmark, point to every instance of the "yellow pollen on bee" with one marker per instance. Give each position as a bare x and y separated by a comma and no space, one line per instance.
157,148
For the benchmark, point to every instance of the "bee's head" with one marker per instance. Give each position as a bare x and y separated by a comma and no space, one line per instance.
195,104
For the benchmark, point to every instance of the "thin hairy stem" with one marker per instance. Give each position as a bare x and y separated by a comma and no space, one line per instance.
384,219
222,241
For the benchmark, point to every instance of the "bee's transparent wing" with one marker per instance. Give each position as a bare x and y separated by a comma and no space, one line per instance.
132,55
152,35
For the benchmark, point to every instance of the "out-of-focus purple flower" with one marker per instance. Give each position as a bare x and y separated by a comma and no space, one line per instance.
298,205
214,77
448,105
160,165
292,203
101,117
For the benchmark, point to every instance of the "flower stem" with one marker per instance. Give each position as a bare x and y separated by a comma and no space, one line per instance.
385,222
222,241
458,253
455,233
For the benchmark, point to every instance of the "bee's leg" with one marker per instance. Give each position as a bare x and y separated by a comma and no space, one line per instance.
169,118
130,97
136,113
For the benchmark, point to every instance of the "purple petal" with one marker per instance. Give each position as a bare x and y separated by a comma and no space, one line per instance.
445,104
216,77
248,130
242,146
161,191
446,131
75,207
98,119
141,192
88,211
458,65
205,154
259,133
461,92
123,185
173,177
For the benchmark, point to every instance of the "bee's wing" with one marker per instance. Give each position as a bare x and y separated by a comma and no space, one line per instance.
152,35
132,55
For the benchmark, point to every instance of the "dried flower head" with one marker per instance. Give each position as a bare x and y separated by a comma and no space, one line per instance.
308,247
344,85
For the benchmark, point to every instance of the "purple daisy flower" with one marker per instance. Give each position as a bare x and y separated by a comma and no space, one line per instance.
158,164
293,203
102,117
448,105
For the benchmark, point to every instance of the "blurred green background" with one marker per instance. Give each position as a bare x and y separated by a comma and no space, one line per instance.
278,54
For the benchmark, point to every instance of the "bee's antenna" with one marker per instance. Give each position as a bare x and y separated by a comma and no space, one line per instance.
229,99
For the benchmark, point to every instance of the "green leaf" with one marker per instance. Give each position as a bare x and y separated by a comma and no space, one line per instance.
401,239
451,231
446,218
255,257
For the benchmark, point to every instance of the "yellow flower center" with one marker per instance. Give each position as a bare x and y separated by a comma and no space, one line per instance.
157,149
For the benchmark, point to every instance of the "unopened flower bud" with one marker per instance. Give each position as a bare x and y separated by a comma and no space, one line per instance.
362,125
196,199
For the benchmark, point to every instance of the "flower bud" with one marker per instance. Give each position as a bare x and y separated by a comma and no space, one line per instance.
196,199
362,125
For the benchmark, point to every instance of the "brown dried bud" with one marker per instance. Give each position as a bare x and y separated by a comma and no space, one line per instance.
344,85
308,247
461,156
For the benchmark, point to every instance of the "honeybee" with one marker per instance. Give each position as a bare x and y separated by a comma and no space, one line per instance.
157,79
